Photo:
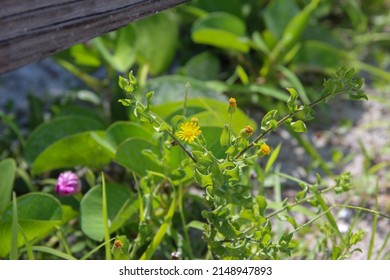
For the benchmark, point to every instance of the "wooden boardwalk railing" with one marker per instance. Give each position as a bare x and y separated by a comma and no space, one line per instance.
33,29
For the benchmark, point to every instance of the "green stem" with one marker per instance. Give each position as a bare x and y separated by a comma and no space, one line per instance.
371,69
283,120
230,129
329,216
13,255
156,119
185,99
298,203
183,221
313,220
364,209
374,224
105,220
94,83
143,74
65,243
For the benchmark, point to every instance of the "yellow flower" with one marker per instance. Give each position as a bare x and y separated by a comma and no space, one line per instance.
188,132
265,149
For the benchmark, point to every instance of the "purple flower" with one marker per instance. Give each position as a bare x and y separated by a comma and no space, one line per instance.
68,184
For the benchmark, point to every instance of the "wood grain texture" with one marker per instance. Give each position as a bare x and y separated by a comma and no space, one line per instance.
34,29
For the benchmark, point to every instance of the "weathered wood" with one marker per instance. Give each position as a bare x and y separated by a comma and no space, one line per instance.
33,29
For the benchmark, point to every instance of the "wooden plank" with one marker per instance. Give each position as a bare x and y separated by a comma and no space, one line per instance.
35,29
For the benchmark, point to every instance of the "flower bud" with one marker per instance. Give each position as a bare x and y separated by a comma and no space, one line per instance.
195,120
68,184
264,150
247,131
232,105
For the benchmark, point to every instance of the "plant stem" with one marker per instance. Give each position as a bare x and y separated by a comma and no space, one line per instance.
230,129
374,223
298,202
330,217
187,241
185,99
283,120
105,220
156,119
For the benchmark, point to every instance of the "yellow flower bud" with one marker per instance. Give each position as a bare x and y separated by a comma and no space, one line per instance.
265,149
232,105
247,131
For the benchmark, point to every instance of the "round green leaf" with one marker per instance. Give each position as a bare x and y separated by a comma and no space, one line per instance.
120,131
172,88
7,175
119,200
299,126
156,42
48,133
38,215
221,30
204,66
136,154
80,149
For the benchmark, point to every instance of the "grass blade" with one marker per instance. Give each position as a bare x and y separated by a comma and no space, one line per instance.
53,252
105,220
13,255
374,224
161,231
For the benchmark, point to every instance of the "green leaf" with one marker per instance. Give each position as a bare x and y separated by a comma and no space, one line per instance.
126,102
85,56
293,31
157,39
232,6
120,208
232,174
292,99
357,237
120,131
278,14
262,202
7,175
204,66
79,149
320,56
221,30
267,90
38,215
242,75
172,88
128,209
272,158
267,119
298,126
213,143
205,180
293,81
161,231
130,155
48,133
357,95
224,138
73,110
196,225
121,56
